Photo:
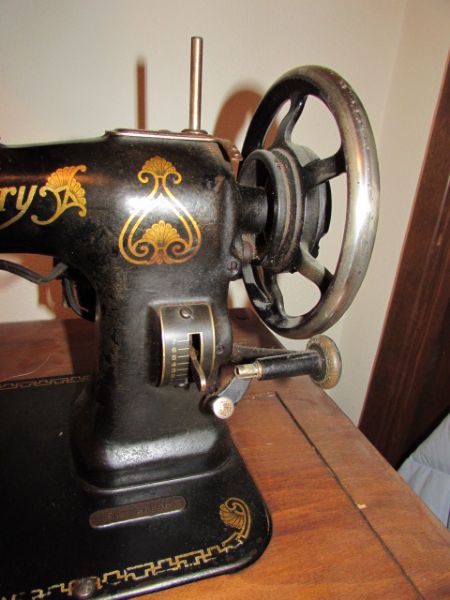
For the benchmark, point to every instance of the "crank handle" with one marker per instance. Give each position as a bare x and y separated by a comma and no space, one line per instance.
321,361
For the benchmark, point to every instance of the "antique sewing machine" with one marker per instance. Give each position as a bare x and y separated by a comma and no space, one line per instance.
128,481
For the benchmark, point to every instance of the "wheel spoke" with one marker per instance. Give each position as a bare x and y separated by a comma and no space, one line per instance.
264,291
313,270
255,285
275,292
323,169
288,122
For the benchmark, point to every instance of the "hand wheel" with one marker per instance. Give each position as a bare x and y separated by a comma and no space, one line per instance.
299,201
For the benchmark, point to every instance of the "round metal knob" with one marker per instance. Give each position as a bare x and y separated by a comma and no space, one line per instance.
331,358
222,407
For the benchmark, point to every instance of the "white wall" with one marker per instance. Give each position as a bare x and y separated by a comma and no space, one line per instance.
67,70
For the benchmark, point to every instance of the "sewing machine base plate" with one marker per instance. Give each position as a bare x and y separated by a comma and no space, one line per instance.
59,540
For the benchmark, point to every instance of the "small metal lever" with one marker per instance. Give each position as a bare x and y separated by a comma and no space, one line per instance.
197,372
223,403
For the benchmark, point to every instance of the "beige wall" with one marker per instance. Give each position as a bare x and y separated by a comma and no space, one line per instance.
67,70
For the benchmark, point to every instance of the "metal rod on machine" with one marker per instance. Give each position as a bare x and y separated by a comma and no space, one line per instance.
195,100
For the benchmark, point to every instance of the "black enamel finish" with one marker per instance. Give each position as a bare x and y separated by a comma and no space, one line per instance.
291,365
47,544
124,426
128,434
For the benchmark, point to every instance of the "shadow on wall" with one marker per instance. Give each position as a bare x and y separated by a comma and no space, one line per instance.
236,111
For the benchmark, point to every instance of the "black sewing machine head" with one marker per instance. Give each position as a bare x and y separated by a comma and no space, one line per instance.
147,230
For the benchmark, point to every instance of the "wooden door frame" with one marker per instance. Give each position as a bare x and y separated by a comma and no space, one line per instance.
409,391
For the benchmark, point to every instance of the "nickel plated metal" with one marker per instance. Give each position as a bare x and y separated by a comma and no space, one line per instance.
195,103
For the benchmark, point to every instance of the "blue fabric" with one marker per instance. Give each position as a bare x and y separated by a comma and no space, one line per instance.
427,471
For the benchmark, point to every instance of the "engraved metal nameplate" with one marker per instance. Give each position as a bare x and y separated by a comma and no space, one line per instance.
139,511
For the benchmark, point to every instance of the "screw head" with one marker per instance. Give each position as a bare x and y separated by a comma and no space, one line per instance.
233,267
84,589
185,313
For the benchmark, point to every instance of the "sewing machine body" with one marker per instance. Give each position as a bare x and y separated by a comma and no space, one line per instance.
128,481
137,437
93,236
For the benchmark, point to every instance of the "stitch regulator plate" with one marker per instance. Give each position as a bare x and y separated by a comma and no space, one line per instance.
76,543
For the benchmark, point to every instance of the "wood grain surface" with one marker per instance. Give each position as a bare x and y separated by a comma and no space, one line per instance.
344,524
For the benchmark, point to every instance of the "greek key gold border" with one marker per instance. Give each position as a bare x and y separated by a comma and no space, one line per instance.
234,513
24,384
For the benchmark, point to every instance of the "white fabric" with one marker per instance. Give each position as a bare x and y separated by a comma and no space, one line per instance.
427,471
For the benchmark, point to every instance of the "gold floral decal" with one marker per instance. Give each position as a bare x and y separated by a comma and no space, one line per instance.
162,242
234,513
65,190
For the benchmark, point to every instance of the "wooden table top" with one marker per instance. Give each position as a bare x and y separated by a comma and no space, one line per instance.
344,523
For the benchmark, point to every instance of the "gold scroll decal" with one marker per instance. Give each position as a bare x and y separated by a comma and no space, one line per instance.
234,513
143,242
61,189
